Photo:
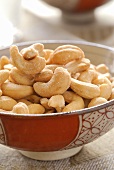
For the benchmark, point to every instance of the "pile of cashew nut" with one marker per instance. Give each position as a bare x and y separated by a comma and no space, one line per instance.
36,80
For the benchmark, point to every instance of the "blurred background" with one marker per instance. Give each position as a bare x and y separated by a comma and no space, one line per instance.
29,20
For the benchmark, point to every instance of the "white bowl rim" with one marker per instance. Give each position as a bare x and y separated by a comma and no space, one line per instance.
78,112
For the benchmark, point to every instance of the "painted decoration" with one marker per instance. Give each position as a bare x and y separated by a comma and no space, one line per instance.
93,125
2,134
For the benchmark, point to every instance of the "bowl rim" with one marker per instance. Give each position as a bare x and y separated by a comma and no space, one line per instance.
78,112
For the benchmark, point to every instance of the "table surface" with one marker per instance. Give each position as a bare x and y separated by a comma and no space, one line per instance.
98,155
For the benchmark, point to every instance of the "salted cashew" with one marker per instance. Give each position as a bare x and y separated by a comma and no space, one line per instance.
107,75
44,76
24,101
44,103
66,53
3,61
85,89
88,76
29,52
8,67
105,91
20,78
32,66
58,84
103,71
20,108
53,66
57,101
102,68
70,96
4,75
33,98
104,85
97,101
92,66
112,94
75,102
7,103
74,105
11,80
36,109
48,53
101,80
78,65
16,91
75,76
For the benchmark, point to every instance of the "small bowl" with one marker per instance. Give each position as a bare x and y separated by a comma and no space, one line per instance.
77,10
59,135
76,5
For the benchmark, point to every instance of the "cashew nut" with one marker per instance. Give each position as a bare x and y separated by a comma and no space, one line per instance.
4,75
105,91
112,94
107,75
102,68
76,75
25,101
44,103
29,52
97,101
66,53
20,78
44,76
78,65
74,105
16,91
58,84
8,67
7,103
84,89
32,66
57,102
104,85
48,53
88,76
33,98
70,96
20,108
75,101
3,61
52,66
36,109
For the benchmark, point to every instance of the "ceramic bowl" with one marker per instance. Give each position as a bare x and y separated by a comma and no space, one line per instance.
77,10
76,5
59,135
